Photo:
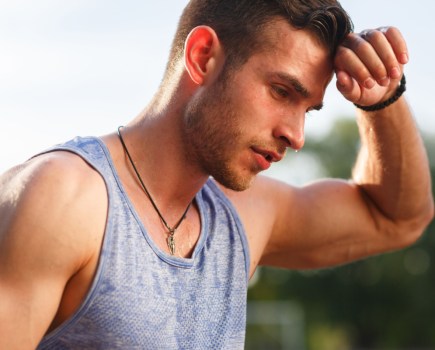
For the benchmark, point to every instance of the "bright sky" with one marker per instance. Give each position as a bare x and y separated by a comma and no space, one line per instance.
83,67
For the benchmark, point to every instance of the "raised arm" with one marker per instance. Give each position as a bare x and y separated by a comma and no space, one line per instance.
392,168
44,242
386,205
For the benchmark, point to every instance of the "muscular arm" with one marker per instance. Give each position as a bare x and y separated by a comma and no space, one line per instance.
385,207
387,204
392,168
43,243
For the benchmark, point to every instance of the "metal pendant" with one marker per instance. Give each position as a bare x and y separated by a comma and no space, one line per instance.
171,243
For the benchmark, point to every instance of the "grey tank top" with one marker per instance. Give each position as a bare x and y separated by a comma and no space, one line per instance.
143,298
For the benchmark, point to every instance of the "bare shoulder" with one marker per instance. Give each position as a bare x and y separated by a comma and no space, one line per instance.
54,193
259,207
263,193
293,227
53,211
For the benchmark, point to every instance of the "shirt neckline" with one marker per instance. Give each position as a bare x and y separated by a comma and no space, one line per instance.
164,256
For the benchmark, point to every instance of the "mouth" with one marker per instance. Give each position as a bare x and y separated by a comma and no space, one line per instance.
265,158
270,156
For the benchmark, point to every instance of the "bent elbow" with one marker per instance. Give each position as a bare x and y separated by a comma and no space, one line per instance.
413,229
428,214
431,212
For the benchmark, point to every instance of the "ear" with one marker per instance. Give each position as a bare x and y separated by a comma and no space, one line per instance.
203,55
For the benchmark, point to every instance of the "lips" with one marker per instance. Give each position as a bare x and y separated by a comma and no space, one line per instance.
265,158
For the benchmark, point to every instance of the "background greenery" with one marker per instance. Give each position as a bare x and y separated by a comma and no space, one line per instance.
384,302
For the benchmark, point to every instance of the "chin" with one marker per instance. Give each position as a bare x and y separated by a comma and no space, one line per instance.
234,182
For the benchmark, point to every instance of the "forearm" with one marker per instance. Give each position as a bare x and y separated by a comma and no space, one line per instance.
392,168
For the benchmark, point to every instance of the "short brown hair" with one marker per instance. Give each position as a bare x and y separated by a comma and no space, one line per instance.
239,24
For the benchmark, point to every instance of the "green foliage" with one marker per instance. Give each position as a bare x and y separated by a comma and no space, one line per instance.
336,152
386,301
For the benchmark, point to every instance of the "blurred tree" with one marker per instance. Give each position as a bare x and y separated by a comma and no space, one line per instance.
336,152
381,302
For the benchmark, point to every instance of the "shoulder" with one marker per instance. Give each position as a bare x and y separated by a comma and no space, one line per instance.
259,208
55,195
53,210
263,196
53,179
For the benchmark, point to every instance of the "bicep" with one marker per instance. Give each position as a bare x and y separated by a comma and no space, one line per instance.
326,223
27,307
31,284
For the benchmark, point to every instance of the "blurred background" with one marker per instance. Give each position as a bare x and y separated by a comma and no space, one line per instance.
384,302
84,67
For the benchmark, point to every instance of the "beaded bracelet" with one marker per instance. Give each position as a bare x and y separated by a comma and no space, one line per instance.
399,92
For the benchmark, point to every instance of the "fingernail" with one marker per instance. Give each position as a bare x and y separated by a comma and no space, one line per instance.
341,87
395,73
369,83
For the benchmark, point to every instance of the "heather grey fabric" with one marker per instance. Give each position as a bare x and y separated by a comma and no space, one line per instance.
143,298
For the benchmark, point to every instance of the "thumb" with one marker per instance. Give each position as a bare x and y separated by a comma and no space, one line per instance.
347,86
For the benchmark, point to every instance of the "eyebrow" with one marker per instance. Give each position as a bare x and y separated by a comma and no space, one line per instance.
298,86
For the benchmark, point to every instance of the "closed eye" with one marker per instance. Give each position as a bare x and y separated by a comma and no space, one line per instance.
283,93
280,91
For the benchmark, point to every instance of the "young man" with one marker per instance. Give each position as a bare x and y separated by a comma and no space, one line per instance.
146,238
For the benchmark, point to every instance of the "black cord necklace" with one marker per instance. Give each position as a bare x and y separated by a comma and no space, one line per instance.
171,230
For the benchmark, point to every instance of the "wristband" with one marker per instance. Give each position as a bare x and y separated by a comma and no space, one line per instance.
399,92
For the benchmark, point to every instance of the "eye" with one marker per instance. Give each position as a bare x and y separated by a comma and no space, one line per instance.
279,91
314,108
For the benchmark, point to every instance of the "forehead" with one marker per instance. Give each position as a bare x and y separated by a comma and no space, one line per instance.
294,52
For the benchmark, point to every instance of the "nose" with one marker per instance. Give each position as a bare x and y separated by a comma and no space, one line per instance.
291,131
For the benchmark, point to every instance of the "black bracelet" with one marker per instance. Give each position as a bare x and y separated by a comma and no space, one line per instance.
399,92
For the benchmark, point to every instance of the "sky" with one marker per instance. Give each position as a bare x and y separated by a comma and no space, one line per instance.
83,67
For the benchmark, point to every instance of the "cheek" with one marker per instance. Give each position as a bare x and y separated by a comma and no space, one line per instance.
258,109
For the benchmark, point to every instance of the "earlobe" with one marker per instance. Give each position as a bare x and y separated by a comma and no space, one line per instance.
202,54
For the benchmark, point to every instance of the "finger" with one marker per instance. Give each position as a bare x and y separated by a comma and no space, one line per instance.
374,51
348,87
398,43
384,49
347,59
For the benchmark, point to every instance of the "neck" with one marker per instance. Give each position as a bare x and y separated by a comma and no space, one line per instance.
156,145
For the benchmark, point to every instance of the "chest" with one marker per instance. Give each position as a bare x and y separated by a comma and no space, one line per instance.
138,288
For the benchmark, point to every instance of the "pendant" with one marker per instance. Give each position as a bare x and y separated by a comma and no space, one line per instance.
171,243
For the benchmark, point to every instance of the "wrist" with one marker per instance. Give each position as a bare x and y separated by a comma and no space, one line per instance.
381,105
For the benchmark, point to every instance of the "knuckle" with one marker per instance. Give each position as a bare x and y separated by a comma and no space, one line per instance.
358,43
352,36
350,39
377,35
392,32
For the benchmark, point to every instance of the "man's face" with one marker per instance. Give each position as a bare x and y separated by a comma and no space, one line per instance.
240,124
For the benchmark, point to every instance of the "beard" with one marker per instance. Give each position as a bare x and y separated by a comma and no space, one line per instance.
213,136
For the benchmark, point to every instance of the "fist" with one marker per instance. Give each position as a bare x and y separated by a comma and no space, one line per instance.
369,65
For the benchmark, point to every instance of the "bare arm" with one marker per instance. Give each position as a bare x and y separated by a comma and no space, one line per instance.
42,244
388,203
392,168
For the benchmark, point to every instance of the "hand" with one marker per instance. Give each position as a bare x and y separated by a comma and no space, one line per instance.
369,65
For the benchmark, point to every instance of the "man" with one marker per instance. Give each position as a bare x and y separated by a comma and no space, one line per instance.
146,238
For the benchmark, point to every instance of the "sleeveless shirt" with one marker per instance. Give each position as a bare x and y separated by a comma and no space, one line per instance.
144,298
